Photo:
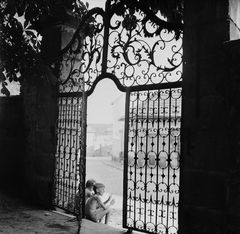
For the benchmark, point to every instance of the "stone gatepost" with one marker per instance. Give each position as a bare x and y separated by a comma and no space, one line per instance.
41,111
210,142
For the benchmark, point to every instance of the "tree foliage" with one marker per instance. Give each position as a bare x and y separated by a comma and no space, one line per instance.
172,10
20,40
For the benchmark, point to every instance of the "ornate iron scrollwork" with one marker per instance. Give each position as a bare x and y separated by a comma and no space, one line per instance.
142,52
134,46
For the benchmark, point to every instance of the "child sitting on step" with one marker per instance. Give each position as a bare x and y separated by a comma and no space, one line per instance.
95,209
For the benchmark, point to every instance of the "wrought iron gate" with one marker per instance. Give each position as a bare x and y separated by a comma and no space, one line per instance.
69,147
142,54
152,162
70,128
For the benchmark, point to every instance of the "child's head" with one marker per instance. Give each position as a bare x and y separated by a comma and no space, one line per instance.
98,186
90,183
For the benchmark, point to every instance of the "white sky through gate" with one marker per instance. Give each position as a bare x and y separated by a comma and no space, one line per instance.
95,3
100,101
100,108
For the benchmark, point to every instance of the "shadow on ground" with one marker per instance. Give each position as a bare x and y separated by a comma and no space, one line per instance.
21,217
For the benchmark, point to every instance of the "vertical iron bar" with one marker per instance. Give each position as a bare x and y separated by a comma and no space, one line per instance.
136,158
70,147
125,168
57,173
64,148
75,150
157,155
182,133
77,156
62,151
146,148
83,147
106,35
169,141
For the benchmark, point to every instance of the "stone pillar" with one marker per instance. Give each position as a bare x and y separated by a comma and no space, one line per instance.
206,148
40,116
41,110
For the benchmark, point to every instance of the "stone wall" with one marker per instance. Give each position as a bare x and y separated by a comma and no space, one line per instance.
11,140
40,113
231,93
210,152
27,141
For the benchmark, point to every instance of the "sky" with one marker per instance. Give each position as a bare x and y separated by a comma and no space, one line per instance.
100,109
95,3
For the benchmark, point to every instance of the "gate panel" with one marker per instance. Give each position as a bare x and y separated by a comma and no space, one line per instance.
69,132
152,162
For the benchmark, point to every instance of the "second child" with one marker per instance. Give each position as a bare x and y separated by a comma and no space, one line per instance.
95,209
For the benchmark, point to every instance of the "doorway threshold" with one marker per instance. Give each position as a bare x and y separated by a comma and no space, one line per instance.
89,227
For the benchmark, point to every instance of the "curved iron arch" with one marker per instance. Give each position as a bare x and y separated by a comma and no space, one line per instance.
106,76
132,89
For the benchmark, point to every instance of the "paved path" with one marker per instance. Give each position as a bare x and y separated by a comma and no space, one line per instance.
104,170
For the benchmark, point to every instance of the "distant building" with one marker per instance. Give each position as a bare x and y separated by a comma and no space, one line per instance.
99,140
155,129
118,126
162,118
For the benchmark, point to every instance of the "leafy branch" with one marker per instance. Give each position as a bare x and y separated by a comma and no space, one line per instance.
20,41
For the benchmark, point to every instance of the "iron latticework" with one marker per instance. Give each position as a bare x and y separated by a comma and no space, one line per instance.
142,54
153,160
69,132
69,163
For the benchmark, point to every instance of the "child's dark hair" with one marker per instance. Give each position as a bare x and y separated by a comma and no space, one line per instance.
98,185
90,183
